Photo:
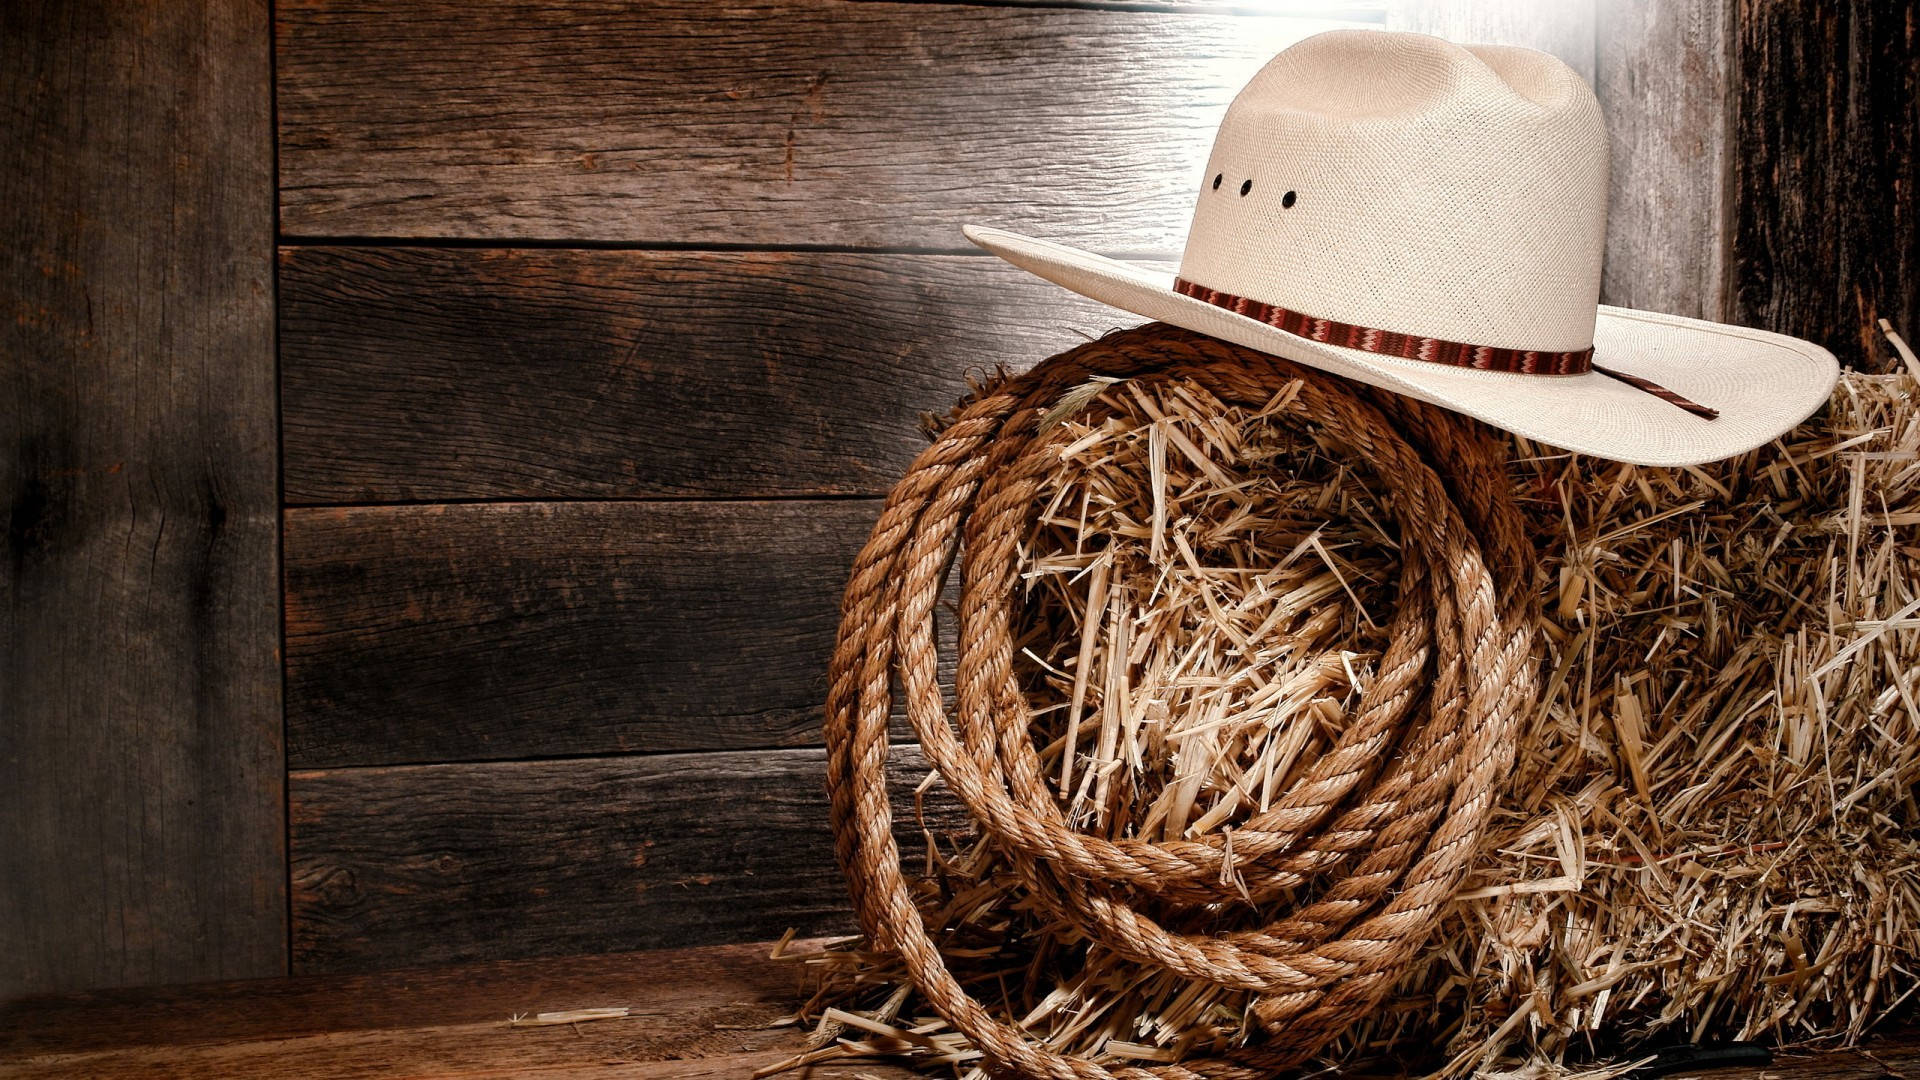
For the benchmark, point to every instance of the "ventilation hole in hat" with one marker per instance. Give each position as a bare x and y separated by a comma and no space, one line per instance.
1287,200
1217,177
1246,187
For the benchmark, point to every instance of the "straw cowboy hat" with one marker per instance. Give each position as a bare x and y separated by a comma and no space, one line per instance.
1430,218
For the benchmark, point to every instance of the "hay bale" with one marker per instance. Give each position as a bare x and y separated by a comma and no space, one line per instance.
1711,830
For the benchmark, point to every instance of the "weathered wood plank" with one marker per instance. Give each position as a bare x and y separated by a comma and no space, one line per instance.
778,122
490,631
603,1050
1827,228
683,989
446,863
1664,80
694,1012
141,832
416,374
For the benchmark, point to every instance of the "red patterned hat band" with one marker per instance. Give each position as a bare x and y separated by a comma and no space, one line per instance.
1431,350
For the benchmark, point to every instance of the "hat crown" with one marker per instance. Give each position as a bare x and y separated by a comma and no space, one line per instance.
1400,182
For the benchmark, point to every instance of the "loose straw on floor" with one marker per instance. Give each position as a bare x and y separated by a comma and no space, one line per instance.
1349,867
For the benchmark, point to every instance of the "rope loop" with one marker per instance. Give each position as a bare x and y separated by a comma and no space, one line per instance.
1351,869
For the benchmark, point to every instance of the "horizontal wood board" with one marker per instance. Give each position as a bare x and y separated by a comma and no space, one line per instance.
492,631
445,863
436,374
764,122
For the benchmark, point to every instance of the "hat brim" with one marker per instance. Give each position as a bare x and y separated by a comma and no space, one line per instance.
1763,384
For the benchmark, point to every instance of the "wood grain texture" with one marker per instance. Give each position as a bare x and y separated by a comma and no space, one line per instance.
765,122
492,631
446,863
695,1013
419,374
1827,231
1664,78
141,831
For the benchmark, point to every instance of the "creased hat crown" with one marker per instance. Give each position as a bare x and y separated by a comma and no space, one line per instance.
1401,182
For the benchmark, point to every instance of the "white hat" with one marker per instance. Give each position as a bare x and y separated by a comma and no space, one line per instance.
1430,218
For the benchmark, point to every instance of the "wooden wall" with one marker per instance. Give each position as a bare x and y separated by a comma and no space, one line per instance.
602,328
1826,232
603,331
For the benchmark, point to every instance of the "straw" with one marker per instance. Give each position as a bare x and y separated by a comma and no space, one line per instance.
1709,831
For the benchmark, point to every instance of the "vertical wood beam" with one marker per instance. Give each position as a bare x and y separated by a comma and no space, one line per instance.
1826,234
1663,75
142,821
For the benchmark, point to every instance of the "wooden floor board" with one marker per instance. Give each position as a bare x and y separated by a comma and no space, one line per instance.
694,1014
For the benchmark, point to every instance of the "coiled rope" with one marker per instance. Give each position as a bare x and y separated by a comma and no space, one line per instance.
1359,857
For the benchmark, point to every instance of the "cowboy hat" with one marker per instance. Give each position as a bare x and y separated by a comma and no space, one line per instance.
1430,218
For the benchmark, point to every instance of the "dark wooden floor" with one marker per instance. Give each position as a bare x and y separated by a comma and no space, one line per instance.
692,1013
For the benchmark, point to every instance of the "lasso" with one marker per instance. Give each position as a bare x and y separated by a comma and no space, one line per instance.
1378,833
